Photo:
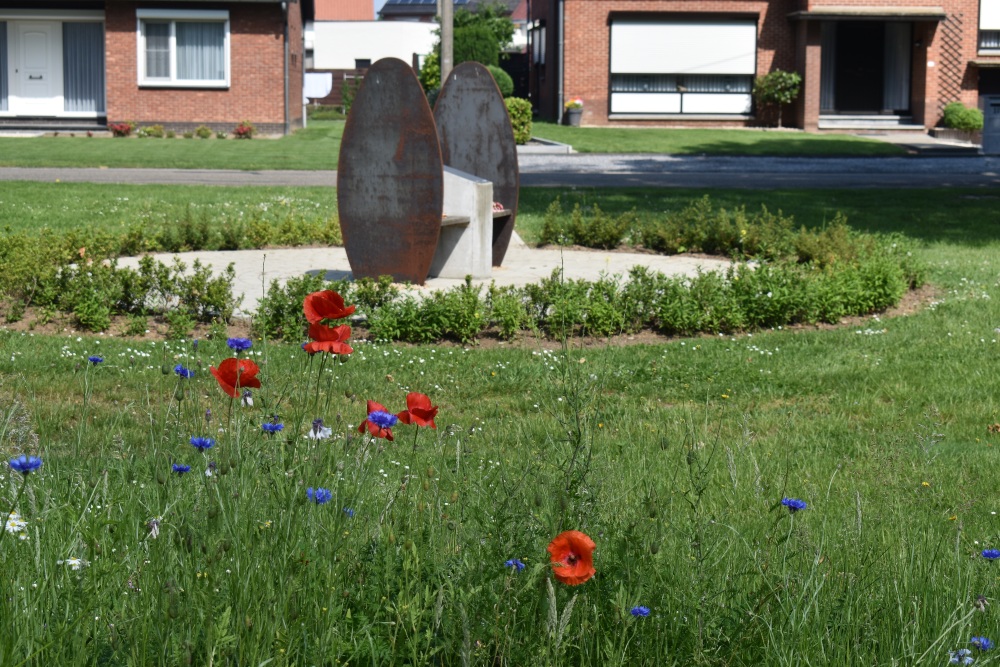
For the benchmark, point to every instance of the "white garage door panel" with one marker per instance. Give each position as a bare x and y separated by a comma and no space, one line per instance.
645,103
716,103
684,48
989,15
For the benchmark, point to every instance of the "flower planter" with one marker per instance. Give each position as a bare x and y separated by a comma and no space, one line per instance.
573,117
970,136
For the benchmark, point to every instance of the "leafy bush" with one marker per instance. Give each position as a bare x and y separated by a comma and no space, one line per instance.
203,132
776,89
430,72
504,82
957,116
154,131
595,229
121,129
325,112
188,135
519,111
348,91
475,43
245,130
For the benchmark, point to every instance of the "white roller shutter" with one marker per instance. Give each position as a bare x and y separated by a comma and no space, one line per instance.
706,47
989,14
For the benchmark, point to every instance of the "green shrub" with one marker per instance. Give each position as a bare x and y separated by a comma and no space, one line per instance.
504,82
349,91
153,131
203,132
279,315
957,116
519,111
593,229
776,89
430,72
475,43
188,135
244,130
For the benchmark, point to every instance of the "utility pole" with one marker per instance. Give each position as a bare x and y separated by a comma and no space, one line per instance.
447,37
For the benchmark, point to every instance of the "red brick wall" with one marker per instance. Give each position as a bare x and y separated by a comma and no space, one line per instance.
256,91
941,69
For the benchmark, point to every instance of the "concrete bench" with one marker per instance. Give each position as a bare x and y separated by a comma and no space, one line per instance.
465,247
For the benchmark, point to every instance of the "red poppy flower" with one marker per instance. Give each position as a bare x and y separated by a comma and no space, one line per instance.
329,339
325,305
573,555
233,373
418,410
379,421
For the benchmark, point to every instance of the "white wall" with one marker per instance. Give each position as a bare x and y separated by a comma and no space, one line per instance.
337,44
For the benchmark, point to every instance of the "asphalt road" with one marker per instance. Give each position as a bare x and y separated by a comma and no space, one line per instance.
612,171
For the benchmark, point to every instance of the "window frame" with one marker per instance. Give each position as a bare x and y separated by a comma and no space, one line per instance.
172,17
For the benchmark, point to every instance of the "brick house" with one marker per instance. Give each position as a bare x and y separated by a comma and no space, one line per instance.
179,63
691,63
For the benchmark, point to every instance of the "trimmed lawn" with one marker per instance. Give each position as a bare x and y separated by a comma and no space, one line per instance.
787,143
315,147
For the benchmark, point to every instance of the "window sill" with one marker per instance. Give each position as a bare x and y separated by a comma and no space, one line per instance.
679,116
213,85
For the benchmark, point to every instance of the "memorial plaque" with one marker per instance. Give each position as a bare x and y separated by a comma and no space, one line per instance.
390,179
477,138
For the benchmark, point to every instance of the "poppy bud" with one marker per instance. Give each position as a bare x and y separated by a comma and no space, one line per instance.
426,485
179,394
654,548
538,500
431,472
172,611
451,525
345,595
408,545
247,621
392,538
165,369
421,506
225,545
343,358
454,496
160,477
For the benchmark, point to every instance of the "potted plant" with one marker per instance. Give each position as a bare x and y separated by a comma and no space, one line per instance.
574,111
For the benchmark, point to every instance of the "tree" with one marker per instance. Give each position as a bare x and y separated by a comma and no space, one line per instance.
777,88
479,37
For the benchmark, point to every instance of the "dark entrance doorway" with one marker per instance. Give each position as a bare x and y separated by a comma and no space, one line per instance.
858,78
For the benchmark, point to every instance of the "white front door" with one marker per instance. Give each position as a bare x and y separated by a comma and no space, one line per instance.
36,83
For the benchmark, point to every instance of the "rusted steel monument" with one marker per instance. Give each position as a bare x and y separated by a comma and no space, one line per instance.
391,184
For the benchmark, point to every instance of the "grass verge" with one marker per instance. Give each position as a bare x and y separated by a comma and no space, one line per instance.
711,142
315,147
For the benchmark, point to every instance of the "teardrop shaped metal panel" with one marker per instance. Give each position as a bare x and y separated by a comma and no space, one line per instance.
390,179
477,138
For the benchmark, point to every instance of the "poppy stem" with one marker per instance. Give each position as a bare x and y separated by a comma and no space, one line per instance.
416,432
319,378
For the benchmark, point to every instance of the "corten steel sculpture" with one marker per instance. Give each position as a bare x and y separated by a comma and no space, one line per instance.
390,179
477,138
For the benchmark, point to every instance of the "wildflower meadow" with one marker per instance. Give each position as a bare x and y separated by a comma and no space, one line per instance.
774,498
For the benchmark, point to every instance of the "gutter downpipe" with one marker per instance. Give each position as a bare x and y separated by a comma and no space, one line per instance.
561,59
288,120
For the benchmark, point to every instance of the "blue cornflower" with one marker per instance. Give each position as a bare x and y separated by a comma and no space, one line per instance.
793,504
239,344
349,512
319,496
184,373
95,359
272,427
383,419
25,464
201,444
962,656
180,468
982,643
640,611
991,554
515,564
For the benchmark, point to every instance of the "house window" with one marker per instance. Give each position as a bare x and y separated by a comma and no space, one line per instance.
538,45
682,67
183,48
989,26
